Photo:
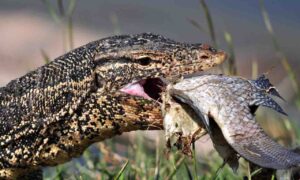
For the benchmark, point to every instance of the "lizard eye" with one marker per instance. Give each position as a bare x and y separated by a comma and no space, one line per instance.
144,61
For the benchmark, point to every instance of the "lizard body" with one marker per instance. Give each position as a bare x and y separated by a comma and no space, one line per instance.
53,113
230,103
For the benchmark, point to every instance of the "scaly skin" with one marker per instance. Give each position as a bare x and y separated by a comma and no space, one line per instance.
230,102
53,113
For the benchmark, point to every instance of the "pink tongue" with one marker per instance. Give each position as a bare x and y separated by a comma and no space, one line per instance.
135,89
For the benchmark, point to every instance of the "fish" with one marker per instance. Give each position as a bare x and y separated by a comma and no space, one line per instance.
225,106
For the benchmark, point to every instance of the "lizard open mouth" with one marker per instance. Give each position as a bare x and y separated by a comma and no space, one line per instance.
149,88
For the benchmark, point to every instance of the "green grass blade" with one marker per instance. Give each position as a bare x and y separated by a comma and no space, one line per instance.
52,11
249,171
232,69
197,25
45,56
257,171
157,160
268,25
284,61
177,165
194,161
254,68
121,171
188,171
70,33
209,23
219,170
71,7
292,75
59,172
115,22
61,8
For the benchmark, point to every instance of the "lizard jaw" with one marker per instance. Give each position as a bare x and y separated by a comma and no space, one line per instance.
149,88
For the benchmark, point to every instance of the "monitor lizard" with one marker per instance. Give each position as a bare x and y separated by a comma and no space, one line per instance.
55,112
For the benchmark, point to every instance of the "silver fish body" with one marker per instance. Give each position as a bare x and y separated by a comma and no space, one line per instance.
231,103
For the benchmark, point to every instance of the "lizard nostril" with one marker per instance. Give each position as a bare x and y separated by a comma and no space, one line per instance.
204,57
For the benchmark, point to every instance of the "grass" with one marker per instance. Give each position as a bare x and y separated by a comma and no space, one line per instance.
136,160
63,17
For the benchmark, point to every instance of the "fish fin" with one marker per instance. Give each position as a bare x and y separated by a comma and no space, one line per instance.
264,84
273,91
264,100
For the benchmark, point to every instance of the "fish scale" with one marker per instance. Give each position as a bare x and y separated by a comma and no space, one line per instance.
228,101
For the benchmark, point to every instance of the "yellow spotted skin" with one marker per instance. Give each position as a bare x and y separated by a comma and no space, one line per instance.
53,113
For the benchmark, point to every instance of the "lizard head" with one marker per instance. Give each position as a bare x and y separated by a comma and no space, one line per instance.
133,63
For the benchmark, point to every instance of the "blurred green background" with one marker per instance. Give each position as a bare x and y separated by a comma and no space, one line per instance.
261,37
